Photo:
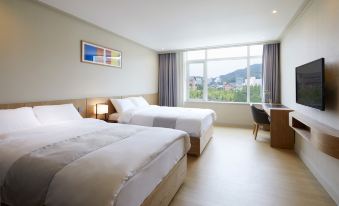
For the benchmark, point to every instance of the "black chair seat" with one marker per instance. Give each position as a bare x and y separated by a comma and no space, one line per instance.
260,118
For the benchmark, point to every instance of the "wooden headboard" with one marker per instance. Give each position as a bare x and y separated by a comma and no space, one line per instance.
91,102
84,106
80,104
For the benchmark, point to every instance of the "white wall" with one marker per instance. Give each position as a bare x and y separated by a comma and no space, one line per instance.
40,57
315,34
228,114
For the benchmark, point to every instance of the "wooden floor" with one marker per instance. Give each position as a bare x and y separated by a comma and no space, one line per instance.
236,170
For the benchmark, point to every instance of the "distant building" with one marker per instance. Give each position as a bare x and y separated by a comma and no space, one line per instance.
253,81
199,80
228,86
194,82
218,80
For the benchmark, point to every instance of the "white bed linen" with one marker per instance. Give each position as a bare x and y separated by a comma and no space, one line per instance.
54,114
142,184
194,121
17,119
16,144
123,105
139,101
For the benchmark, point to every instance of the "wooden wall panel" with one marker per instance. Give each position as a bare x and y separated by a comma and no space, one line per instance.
152,98
85,106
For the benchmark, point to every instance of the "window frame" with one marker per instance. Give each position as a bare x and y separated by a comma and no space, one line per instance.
188,79
205,61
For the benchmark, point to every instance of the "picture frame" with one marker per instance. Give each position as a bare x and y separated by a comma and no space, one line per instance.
100,55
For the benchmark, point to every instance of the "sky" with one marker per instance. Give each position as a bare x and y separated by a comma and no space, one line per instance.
216,68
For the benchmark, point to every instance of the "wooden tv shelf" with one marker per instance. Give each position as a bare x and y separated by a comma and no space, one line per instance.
323,137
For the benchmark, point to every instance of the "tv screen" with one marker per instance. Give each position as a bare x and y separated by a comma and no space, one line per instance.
310,82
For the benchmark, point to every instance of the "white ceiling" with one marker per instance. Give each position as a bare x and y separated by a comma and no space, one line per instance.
182,24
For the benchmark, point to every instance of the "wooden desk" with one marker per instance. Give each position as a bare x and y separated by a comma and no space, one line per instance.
282,135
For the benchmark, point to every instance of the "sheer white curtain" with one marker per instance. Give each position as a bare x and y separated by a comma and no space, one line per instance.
181,79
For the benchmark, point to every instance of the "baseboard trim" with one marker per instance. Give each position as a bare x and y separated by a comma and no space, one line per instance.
334,195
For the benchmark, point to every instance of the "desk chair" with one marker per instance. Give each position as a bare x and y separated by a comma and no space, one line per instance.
260,118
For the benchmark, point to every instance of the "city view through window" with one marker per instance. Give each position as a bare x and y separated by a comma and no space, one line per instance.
232,74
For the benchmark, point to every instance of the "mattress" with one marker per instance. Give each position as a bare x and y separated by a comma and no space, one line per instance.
142,184
191,120
138,158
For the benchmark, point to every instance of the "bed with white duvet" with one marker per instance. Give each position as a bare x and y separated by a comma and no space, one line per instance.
196,122
191,120
85,162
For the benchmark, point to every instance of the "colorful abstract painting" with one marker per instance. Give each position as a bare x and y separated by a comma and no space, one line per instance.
95,54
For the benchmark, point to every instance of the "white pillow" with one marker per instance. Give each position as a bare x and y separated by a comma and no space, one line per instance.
53,114
139,101
122,105
12,120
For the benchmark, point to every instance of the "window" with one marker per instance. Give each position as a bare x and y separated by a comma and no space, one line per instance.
232,74
196,80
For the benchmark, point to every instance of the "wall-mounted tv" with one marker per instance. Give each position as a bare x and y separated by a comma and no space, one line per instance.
310,83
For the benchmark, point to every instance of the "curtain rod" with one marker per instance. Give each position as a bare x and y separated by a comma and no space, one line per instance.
219,46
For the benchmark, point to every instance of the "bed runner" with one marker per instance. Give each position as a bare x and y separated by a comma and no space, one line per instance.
165,122
41,165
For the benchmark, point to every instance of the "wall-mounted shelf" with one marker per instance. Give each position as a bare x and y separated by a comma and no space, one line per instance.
322,136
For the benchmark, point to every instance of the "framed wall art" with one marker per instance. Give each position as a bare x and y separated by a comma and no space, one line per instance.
96,54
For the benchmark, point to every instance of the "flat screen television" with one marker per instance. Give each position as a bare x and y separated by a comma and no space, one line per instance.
310,83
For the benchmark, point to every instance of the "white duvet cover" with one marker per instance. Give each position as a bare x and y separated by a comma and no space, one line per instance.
99,177
191,120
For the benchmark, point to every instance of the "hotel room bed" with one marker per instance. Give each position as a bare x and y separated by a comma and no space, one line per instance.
198,123
89,162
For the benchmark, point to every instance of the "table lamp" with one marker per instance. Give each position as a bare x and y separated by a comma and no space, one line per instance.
100,109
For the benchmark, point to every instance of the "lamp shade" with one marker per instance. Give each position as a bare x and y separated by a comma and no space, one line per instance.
101,109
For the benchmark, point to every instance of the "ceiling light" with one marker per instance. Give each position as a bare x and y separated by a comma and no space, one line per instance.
274,11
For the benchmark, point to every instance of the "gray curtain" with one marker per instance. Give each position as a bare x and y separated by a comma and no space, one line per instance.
168,80
271,73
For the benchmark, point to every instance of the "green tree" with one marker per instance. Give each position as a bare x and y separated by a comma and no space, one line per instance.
255,94
231,95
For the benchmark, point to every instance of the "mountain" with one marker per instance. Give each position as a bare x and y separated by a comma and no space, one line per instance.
256,70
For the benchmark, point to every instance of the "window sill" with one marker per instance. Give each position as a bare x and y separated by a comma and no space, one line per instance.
216,102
